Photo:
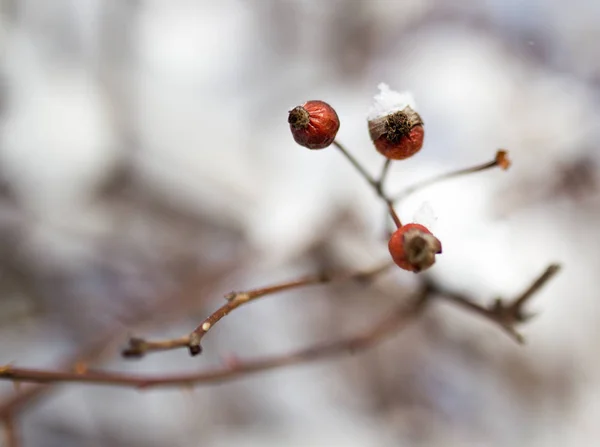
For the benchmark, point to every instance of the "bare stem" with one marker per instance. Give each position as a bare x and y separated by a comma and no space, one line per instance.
501,160
394,215
359,167
384,172
11,435
535,287
377,185
139,347
179,300
391,323
506,315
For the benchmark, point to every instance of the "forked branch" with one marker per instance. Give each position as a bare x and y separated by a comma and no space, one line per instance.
138,347
391,323
377,185
506,315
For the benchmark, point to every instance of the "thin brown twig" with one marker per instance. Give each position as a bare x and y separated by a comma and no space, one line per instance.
377,185
359,167
550,271
506,315
190,282
391,323
501,160
11,435
139,347
394,215
384,172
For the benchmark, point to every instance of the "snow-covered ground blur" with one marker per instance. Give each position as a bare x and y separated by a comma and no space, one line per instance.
146,169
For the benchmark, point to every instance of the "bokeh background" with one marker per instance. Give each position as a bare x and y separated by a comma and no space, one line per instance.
147,169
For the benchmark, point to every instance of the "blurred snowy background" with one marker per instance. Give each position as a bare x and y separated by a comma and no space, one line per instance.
146,169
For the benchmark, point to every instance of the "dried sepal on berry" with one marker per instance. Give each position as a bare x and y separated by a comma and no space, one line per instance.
413,247
314,124
396,129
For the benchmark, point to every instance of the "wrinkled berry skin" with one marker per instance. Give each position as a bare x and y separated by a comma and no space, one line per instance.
314,124
405,147
413,247
399,135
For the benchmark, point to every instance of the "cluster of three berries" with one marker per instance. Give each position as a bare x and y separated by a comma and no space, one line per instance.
396,135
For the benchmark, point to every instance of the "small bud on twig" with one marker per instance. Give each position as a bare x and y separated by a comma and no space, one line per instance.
502,159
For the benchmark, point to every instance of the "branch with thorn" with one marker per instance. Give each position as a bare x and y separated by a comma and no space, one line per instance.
11,436
138,347
176,302
506,315
391,323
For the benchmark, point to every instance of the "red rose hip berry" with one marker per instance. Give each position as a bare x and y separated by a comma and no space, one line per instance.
314,124
399,135
413,247
395,127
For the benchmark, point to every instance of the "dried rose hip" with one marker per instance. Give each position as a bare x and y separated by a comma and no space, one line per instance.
413,247
314,124
396,129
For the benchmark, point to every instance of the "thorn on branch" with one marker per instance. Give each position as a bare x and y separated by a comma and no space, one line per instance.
137,348
509,314
392,322
80,367
230,296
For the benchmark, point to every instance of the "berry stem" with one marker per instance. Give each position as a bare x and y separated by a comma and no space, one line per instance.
384,172
357,165
377,185
497,162
393,213
139,347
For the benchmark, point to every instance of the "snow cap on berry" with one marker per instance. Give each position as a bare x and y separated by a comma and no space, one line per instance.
396,129
389,101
